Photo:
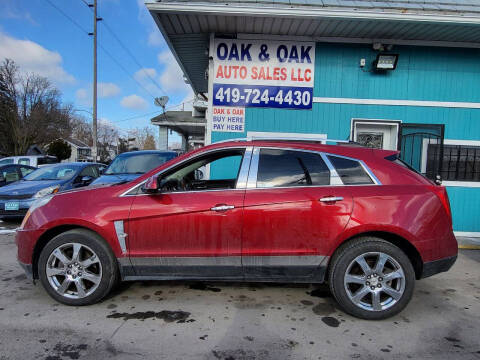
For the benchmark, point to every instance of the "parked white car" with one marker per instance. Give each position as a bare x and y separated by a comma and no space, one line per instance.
31,160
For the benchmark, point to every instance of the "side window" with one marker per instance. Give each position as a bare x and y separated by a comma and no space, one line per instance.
6,161
350,171
26,170
278,168
10,174
24,161
89,171
191,176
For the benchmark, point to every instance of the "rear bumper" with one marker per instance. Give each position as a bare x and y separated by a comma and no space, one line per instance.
434,267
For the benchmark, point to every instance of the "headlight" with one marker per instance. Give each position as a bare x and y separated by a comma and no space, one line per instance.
35,205
47,191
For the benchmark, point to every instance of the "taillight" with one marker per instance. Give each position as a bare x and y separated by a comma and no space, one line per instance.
441,192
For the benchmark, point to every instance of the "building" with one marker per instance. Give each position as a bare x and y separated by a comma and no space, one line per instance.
80,151
396,74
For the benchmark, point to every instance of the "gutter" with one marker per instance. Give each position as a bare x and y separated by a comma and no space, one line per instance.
308,12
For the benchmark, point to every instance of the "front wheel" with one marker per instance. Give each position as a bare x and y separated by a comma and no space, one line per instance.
371,278
77,268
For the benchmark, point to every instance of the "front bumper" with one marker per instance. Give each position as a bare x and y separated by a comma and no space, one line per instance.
23,206
434,267
28,270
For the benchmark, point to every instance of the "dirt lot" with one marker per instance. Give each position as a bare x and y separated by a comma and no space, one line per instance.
186,320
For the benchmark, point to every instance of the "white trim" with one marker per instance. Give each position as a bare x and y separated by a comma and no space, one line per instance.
467,233
446,104
461,142
468,184
387,122
308,12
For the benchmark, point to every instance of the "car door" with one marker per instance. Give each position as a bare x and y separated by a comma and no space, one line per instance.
192,230
295,207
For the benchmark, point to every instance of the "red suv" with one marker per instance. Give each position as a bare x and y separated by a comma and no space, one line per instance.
294,211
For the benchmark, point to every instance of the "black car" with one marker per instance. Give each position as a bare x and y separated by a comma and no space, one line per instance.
14,172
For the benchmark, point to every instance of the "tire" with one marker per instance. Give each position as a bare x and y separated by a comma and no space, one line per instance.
365,292
90,278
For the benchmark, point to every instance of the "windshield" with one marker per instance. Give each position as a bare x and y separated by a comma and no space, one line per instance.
137,163
61,172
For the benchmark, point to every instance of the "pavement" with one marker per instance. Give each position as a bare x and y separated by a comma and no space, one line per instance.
235,321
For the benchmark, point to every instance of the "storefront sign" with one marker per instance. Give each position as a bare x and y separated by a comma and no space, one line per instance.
256,73
228,119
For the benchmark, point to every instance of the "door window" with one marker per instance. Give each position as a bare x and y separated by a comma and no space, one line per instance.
192,176
350,171
280,168
10,174
89,171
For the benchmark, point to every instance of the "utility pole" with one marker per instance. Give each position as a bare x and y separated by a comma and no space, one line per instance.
94,115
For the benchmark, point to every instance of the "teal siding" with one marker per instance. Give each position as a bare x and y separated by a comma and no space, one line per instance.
464,204
433,74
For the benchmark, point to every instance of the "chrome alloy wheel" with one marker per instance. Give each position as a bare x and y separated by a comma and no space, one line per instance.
74,270
374,281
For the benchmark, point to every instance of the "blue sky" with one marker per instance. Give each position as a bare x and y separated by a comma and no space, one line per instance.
42,40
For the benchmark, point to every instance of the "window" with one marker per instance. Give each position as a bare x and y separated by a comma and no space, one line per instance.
278,168
350,171
459,162
89,171
26,170
10,174
24,161
44,160
6,161
191,176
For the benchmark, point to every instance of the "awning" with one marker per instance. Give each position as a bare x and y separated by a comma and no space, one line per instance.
186,25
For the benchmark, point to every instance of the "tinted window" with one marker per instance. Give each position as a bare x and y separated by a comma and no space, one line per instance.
291,168
47,160
10,174
350,171
89,171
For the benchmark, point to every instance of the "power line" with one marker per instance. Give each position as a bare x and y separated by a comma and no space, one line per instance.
68,17
151,113
127,50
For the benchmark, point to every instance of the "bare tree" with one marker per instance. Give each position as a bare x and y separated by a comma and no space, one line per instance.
30,111
144,138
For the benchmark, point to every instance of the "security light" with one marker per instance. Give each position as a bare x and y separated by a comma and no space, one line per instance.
385,62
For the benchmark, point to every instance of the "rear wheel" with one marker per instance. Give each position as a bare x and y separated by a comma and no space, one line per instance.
371,278
77,268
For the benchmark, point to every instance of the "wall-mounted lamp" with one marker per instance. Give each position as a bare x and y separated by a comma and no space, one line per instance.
385,62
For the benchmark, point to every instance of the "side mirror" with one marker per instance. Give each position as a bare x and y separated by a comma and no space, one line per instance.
151,185
86,180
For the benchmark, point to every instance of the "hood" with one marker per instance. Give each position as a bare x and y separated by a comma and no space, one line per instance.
115,178
24,187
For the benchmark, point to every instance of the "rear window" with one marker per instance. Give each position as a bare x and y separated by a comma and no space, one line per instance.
350,171
47,160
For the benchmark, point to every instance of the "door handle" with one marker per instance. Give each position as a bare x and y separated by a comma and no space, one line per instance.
222,207
331,199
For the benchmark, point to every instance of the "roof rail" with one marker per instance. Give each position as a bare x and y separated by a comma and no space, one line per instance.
306,139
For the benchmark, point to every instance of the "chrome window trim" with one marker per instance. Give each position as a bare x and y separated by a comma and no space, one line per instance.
242,177
135,187
335,179
365,168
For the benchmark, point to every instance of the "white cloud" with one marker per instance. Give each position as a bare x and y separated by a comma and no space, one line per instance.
171,79
154,38
107,90
134,102
34,58
84,96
